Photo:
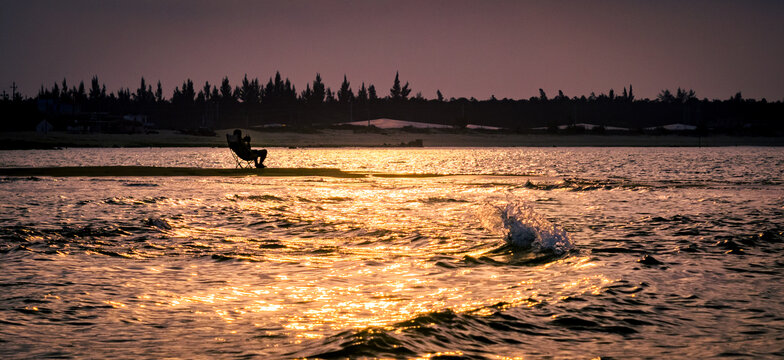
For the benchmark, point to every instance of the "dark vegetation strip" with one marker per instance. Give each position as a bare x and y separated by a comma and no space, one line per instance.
92,108
123,171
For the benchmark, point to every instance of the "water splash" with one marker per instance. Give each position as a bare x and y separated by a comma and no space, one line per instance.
522,227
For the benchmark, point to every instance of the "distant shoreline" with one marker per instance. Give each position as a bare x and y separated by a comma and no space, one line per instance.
389,138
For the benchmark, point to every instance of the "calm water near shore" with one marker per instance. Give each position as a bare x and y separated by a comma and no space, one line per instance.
533,252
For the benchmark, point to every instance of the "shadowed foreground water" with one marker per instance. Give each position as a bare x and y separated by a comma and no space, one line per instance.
619,253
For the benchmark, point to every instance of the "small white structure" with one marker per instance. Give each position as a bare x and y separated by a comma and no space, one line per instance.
674,127
395,124
593,126
141,119
44,127
584,126
482,127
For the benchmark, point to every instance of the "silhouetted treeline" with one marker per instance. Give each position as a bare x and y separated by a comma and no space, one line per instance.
253,103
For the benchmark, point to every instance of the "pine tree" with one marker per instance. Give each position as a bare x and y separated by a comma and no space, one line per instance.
345,95
665,96
159,93
81,95
362,94
187,90
330,97
395,91
318,90
372,93
439,95
55,91
307,94
206,90
95,89
405,91
144,93
250,91
289,91
226,92
64,96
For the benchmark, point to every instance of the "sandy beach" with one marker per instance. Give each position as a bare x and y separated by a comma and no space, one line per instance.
347,138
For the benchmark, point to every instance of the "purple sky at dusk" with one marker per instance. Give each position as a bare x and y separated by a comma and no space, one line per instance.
464,48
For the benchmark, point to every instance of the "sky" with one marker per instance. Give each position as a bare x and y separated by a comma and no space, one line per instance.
508,49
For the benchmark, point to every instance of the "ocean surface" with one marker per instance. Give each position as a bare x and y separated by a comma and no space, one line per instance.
513,252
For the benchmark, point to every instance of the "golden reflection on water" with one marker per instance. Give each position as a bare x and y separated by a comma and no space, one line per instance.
307,307
352,256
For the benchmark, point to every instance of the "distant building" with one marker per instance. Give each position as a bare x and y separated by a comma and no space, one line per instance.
44,127
395,124
584,126
142,120
482,127
593,127
274,125
54,107
674,127
106,123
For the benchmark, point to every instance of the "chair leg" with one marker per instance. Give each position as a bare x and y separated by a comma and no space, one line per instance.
237,160
242,164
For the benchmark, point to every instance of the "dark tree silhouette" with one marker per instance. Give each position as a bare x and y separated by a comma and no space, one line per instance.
65,96
684,96
395,91
330,97
80,96
405,91
159,93
144,95
184,96
226,92
278,101
362,94
307,94
95,89
250,91
665,96
345,95
318,90
206,91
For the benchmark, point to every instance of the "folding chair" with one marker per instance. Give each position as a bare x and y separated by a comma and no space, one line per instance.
241,152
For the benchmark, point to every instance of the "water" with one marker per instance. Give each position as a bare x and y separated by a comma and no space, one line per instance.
531,252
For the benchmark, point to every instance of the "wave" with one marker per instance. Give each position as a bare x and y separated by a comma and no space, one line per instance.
257,198
521,227
482,333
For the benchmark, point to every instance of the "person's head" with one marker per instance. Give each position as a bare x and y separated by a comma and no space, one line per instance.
238,133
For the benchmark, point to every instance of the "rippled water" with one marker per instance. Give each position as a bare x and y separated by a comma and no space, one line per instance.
606,252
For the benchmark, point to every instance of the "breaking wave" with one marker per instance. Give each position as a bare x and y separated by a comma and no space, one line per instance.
521,227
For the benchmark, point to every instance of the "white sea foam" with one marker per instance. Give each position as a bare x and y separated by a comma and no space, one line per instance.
522,227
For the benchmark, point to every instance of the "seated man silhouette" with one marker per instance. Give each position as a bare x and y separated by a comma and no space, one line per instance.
244,151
